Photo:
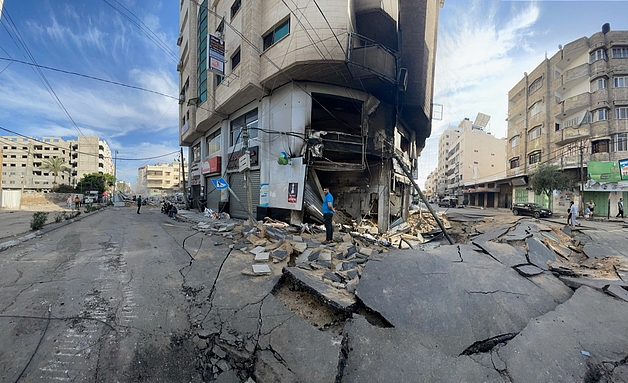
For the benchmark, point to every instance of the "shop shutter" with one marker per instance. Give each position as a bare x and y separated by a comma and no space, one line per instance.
238,185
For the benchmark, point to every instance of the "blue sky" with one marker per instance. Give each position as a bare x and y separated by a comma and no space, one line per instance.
484,47
130,42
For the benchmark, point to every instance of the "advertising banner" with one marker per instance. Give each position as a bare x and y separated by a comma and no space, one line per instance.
216,55
604,171
623,169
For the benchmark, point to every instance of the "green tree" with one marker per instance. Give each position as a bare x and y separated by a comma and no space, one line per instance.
547,178
55,164
95,181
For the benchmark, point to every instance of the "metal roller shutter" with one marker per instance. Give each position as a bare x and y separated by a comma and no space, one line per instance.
213,198
238,185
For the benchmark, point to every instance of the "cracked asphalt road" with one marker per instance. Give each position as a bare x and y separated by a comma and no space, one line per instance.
99,300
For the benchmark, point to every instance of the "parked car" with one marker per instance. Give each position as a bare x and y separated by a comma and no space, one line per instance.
530,208
447,202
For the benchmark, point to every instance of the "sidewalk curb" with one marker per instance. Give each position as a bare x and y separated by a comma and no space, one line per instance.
51,226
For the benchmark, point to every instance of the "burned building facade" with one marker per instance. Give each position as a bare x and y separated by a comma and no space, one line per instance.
280,100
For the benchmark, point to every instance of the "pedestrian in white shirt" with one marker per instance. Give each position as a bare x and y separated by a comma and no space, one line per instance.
574,213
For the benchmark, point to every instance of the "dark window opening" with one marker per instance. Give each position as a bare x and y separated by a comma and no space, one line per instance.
279,32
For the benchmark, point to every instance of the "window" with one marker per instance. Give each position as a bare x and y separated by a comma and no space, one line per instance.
213,142
619,52
621,142
219,79
599,54
536,84
235,8
535,108
534,133
535,158
514,163
202,52
196,153
621,113
282,30
235,59
620,82
600,83
249,120
600,146
600,115
514,141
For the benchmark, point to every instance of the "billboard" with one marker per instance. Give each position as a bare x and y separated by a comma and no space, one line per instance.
604,171
623,169
216,55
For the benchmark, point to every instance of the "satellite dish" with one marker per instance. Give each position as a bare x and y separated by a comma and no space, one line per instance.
560,47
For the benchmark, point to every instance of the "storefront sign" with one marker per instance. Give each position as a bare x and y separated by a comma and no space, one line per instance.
211,165
234,159
604,171
216,55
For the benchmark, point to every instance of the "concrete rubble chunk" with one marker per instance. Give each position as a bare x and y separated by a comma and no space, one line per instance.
261,269
313,256
539,254
269,369
279,254
502,252
617,291
332,276
299,246
528,270
366,251
262,257
325,255
323,264
327,295
257,249
551,345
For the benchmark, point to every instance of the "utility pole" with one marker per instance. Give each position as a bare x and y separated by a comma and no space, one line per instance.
115,172
247,170
185,194
581,175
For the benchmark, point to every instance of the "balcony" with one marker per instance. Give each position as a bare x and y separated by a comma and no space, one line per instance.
575,75
599,98
574,134
575,104
598,68
600,129
373,64
620,96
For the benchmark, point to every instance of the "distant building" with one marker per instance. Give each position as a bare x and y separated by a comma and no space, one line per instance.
159,180
316,94
22,158
569,110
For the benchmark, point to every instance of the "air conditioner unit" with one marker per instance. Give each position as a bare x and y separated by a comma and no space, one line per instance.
180,66
220,35
179,40
181,99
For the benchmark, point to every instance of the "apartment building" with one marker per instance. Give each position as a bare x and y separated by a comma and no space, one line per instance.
431,184
159,180
445,144
311,95
569,111
474,163
22,158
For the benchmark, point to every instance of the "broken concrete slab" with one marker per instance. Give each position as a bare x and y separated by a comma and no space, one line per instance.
594,283
491,235
617,291
550,347
279,254
599,250
299,246
504,253
262,257
311,355
374,356
269,369
528,270
539,254
257,249
261,269
520,233
333,298
479,297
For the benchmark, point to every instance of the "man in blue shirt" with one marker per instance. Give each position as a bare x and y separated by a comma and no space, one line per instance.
328,215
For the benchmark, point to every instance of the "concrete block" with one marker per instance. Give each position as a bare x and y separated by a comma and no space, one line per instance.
262,257
261,269
257,249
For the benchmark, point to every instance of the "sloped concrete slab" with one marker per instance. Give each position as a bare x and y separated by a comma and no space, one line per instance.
539,254
491,235
550,348
335,299
598,250
480,298
397,355
617,291
311,355
528,270
503,253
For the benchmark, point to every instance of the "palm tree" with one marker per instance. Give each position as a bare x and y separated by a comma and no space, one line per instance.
55,164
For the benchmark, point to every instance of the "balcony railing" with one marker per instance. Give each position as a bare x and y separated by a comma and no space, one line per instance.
366,58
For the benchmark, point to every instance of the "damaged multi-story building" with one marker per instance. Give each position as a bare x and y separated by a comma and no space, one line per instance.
281,99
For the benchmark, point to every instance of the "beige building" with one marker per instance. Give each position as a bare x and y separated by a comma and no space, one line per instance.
569,110
445,144
22,158
159,180
332,88
474,162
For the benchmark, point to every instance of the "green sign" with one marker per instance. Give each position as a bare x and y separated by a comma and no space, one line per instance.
604,171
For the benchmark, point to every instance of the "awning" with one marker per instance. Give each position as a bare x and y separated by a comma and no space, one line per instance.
519,181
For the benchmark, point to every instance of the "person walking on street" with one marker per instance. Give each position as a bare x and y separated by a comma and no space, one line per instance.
77,202
69,201
139,203
574,214
328,215
620,208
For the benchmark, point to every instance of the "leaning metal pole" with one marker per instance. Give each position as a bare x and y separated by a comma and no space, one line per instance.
416,187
